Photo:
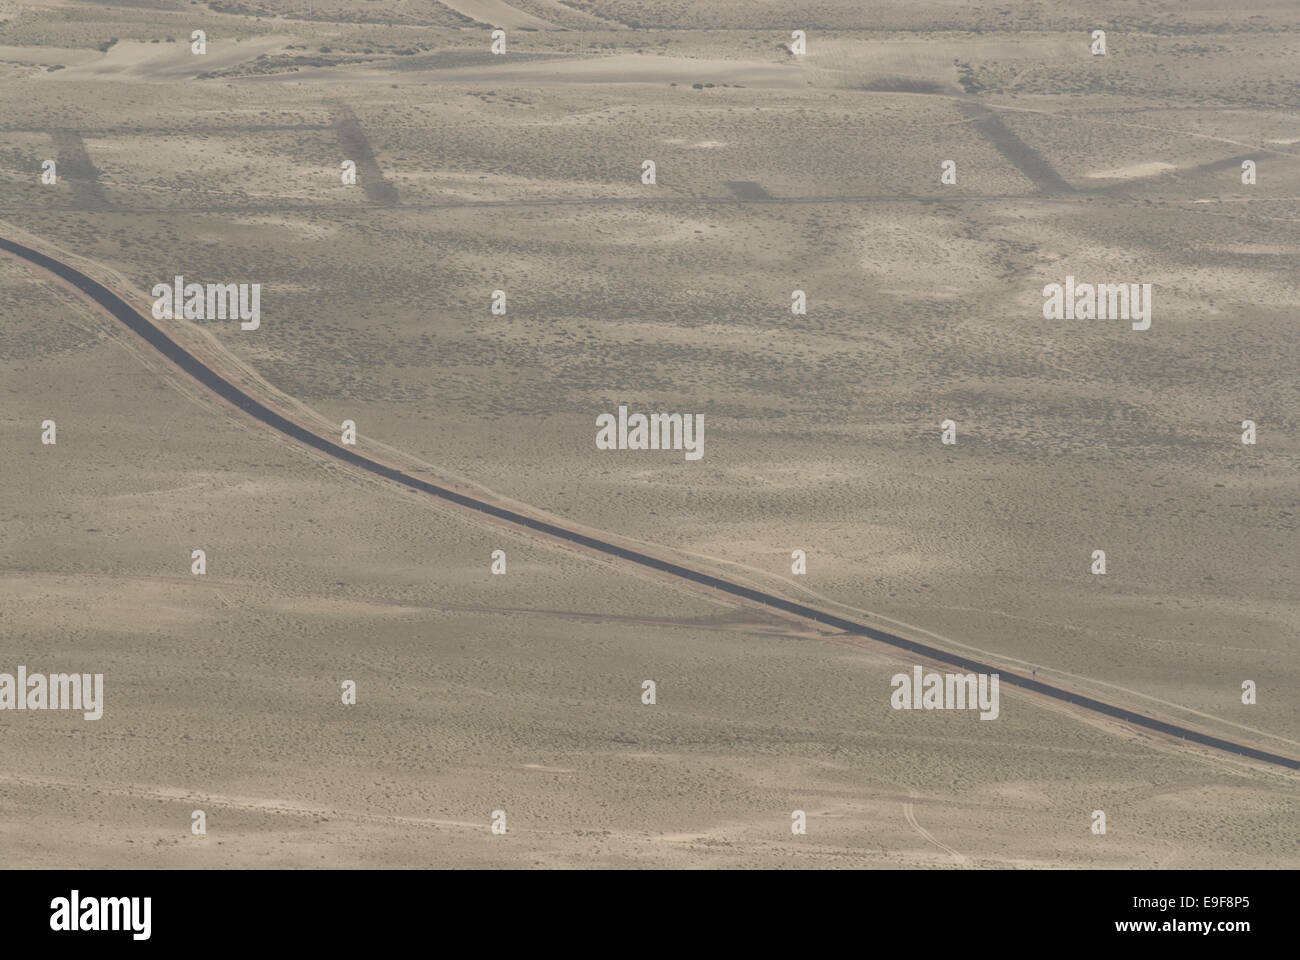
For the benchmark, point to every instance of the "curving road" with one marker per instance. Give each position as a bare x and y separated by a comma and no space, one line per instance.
143,326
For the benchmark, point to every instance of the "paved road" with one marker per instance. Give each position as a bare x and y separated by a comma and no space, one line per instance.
145,327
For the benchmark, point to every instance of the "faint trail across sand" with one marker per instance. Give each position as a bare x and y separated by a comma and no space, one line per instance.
910,814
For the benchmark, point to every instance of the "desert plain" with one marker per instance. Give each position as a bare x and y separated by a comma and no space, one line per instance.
774,172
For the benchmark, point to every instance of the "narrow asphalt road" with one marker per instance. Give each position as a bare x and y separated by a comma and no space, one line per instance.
145,328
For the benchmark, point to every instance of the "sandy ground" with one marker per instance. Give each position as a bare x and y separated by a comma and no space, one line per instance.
521,693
